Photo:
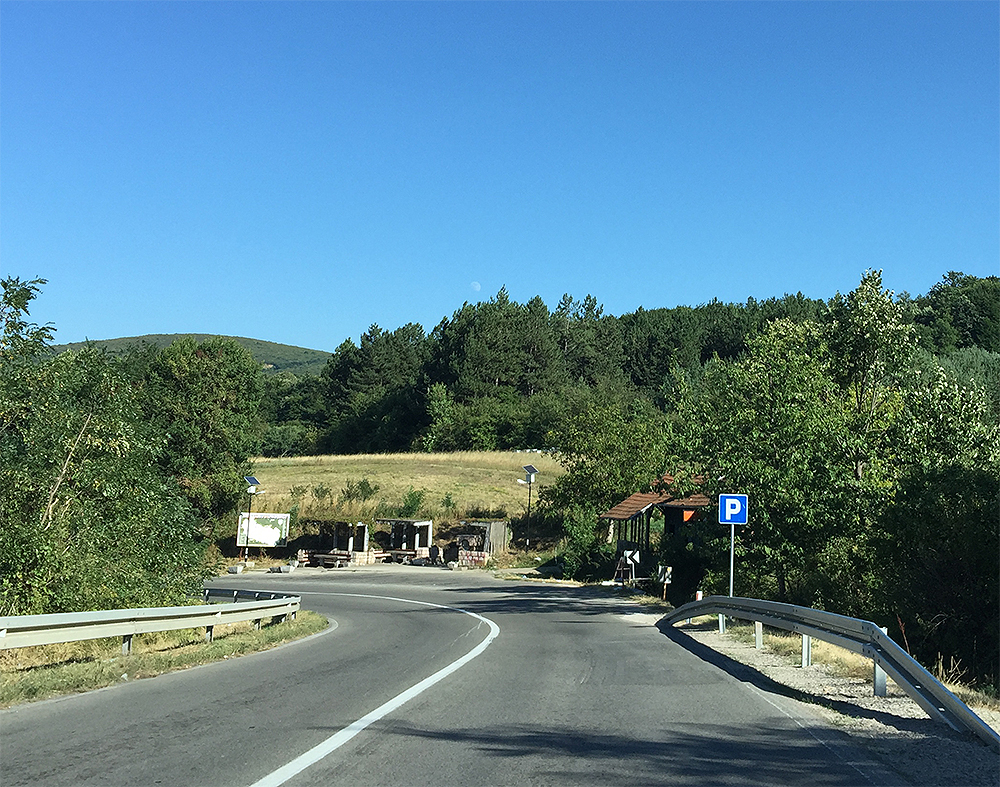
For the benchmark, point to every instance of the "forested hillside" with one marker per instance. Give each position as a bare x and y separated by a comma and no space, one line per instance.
500,374
273,358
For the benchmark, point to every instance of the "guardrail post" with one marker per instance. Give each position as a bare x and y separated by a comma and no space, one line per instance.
126,644
758,634
878,675
698,595
722,624
807,656
878,679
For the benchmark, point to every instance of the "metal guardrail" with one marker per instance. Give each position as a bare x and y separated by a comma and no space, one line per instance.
25,630
859,636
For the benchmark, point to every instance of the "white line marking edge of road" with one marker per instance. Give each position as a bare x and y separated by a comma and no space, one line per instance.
808,728
338,739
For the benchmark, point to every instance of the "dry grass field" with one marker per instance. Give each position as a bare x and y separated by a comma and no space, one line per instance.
459,485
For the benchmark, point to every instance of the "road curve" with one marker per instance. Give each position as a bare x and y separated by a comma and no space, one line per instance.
532,684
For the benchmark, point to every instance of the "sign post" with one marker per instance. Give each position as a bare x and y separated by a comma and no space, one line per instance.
732,511
529,478
665,577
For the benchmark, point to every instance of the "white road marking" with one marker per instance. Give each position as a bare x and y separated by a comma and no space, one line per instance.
335,741
809,730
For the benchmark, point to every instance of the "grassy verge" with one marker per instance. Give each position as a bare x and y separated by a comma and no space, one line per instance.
528,560
845,663
36,673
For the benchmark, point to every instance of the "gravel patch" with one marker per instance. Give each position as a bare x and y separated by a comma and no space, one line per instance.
893,731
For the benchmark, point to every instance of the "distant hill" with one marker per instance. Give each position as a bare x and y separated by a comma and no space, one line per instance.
274,358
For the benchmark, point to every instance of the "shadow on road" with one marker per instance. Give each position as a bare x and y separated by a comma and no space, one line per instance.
747,674
514,597
706,755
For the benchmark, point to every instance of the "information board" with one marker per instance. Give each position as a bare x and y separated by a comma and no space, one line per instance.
266,530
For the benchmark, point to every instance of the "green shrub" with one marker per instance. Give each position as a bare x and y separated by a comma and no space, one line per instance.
585,555
412,501
358,490
321,492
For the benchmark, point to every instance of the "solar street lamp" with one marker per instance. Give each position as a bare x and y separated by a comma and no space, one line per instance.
530,471
252,484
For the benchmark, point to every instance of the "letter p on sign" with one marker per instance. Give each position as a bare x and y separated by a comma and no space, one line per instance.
732,509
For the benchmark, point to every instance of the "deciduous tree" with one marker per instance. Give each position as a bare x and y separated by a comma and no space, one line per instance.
89,521
205,399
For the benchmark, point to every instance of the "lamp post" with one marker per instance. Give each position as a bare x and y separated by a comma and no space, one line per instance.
252,484
530,471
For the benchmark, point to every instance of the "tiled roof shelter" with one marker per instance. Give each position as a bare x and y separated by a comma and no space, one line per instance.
630,519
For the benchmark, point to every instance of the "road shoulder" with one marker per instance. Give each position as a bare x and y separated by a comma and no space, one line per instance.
893,731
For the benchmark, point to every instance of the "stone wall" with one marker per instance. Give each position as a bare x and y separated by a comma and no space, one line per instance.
469,557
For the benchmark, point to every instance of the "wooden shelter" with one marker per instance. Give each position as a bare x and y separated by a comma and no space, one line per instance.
629,521
410,535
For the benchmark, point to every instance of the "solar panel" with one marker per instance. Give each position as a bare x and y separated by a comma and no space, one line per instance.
530,469
251,480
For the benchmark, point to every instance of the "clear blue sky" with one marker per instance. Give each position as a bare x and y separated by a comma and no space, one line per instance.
298,171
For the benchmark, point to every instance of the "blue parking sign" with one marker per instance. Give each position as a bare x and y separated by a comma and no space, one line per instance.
732,509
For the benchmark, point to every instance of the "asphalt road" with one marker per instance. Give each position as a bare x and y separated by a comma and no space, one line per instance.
433,677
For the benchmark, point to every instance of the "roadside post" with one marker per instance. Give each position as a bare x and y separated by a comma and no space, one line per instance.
697,597
530,471
252,484
732,511
665,577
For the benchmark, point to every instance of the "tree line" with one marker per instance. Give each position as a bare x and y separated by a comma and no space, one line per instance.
501,374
